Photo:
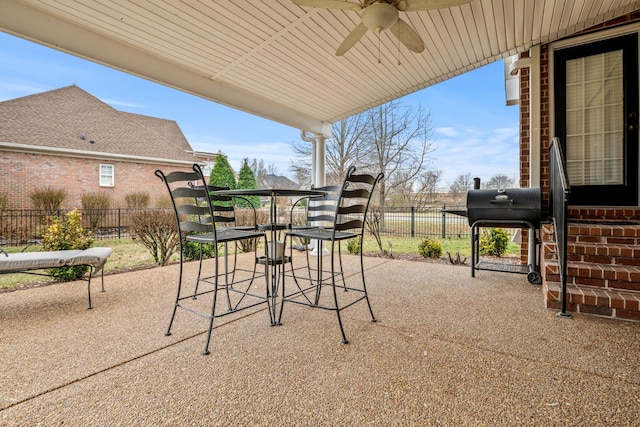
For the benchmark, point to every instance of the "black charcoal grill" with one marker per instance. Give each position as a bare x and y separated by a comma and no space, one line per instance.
505,208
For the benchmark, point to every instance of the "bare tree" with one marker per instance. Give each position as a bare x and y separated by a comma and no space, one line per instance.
427,184
417,192
459,187
345,147
260,172
499,181
400,145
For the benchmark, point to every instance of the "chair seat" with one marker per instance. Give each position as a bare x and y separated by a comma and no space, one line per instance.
320,233
224,235
272,227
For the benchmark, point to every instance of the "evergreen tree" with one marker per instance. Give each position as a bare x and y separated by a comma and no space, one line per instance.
247,180
222,175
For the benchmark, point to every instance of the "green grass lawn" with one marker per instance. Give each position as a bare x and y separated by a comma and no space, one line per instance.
128,254
409,245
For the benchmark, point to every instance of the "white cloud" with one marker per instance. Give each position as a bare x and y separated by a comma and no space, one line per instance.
482,153
447,131
272,153
115,103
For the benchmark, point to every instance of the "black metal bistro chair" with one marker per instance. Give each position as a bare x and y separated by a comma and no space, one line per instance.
196,221
319,212
346,222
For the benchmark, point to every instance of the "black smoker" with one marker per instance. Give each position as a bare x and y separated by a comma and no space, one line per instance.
505,208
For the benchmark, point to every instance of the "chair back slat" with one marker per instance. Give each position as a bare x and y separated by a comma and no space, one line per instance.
224,219
187,192
321,218
219,208
358,193
352,209
197,227
349,225
363,178
179,176
192,210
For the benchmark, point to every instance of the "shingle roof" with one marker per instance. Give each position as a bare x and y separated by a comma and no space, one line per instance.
59,118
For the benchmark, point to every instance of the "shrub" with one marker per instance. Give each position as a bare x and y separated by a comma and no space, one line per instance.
430,248
354,246
373,223
191,250
48,199
157,231
137,200
494,242
164,203
65,234
4,201
95,206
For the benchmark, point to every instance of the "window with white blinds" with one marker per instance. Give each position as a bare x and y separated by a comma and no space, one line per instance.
595,119
106,175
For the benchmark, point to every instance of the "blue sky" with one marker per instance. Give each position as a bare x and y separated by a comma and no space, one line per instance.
473,130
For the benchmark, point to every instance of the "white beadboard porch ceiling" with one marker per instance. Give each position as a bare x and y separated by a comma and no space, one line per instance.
275,59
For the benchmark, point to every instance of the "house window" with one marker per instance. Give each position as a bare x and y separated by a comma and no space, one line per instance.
106,175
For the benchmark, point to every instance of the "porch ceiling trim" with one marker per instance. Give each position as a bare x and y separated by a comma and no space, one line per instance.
276,60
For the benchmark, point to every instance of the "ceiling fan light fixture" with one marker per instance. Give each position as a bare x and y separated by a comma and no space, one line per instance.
379,16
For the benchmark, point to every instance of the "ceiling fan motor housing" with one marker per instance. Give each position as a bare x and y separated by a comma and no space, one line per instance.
379,16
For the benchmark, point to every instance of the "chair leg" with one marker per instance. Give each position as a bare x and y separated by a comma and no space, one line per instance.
175,305
344,284
364,288
335,296
213,308
89,286
195,291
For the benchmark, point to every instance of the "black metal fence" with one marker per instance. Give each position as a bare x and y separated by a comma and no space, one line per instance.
18,227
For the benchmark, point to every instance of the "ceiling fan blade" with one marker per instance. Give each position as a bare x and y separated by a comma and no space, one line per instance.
329,4
407,36
351,39
412,5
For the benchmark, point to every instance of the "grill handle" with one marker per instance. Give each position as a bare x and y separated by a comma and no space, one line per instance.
502,202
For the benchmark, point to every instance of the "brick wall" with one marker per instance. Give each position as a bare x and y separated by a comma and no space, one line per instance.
22,173
546,133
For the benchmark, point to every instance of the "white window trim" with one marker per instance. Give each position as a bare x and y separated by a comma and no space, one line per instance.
113,173
605,34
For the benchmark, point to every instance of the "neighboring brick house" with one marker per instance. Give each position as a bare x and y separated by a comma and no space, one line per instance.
583,90
67,138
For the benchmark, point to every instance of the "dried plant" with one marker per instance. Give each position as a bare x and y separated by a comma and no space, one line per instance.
157,231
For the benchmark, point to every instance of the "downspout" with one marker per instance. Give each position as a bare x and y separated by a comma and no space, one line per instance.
534,111
533,63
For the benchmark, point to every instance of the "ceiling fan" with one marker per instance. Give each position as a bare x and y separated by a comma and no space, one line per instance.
380,15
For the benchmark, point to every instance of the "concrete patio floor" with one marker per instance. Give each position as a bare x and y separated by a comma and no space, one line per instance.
447,349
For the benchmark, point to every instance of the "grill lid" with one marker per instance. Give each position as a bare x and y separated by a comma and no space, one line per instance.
504,205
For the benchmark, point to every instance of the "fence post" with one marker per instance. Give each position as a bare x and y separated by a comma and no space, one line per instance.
119,223
444,221
413,221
